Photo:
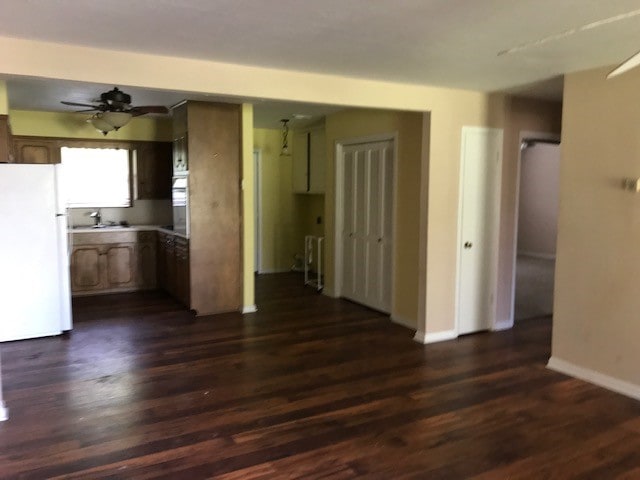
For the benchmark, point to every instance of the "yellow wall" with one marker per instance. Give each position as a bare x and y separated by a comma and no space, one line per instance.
521,115
74,125
248,287
277,203
596,305
362,123
4,101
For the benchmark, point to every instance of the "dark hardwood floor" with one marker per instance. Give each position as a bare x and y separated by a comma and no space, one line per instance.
308,387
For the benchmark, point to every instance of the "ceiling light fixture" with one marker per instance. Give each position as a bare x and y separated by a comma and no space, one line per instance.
285,135
105,122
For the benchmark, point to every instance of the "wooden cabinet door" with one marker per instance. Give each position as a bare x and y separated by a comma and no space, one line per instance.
35,150
170,266
86,269
182,271
146,256
153,170
121,265
300,162
6,141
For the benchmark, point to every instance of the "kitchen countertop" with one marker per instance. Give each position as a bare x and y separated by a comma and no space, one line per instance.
131,228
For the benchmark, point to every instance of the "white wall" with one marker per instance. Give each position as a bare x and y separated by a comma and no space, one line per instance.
539,192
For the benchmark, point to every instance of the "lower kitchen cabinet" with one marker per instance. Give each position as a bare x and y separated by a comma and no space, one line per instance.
109,262
182,287
173,266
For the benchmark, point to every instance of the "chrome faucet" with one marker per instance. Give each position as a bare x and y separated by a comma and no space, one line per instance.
97,217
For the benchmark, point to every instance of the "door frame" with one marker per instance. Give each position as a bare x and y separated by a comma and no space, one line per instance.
525,135
493,274
339,207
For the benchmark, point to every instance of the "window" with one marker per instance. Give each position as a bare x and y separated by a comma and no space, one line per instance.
96,177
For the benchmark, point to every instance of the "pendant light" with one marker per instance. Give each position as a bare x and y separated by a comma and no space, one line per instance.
285,135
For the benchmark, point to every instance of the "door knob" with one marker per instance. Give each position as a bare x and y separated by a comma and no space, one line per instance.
468,244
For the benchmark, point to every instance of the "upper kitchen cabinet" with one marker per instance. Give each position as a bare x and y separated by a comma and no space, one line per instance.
309,157
211,133
6,143
180,140
153,170
36,149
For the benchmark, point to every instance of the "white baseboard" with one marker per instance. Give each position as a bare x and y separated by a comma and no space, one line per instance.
499,326
543,256
425,338
4,412
405,322
597,378
329,292
249,309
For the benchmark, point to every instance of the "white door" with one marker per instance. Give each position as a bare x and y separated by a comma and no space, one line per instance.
481,162
367,223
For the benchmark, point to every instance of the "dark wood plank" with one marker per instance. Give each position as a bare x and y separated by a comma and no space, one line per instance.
307,387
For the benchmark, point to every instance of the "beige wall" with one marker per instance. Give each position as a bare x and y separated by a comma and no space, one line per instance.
450,109
596,296
521,115
408,125
538,200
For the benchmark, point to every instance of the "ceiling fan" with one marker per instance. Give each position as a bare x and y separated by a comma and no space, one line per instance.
114,110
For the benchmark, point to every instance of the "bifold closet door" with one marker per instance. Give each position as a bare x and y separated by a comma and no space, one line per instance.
367,236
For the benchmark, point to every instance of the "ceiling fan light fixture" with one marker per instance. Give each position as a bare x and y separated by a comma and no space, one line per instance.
116,119
100,124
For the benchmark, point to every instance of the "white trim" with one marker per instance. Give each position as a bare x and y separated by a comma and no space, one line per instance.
541,256
597,378
249,309
495,246
523,134
402,321
4,412
339,206
426,338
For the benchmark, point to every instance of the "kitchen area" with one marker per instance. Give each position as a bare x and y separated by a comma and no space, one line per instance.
179,228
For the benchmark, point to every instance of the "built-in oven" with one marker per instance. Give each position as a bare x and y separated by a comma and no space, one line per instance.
180,202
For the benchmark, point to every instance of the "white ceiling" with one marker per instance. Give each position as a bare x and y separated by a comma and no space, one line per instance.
452,43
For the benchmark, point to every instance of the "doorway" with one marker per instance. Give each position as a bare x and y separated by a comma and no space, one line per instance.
481,166
536,223
365,174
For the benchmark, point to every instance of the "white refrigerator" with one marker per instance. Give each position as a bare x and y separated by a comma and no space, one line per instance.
35,293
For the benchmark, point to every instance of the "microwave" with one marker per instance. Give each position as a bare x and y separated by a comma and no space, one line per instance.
180,204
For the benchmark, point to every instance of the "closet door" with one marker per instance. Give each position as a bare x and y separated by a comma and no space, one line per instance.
367,241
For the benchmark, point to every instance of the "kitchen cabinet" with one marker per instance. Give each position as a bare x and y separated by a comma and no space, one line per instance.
173,266
309,158
6,142
182,287
36,150
181,155
207,143
146,253
108,262
153,162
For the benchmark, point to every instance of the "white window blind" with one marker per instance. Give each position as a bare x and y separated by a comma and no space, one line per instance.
96,177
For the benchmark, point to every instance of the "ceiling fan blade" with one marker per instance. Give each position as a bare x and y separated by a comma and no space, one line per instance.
74,104
136,111
625,66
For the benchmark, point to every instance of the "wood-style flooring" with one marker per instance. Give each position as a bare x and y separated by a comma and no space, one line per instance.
308,387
